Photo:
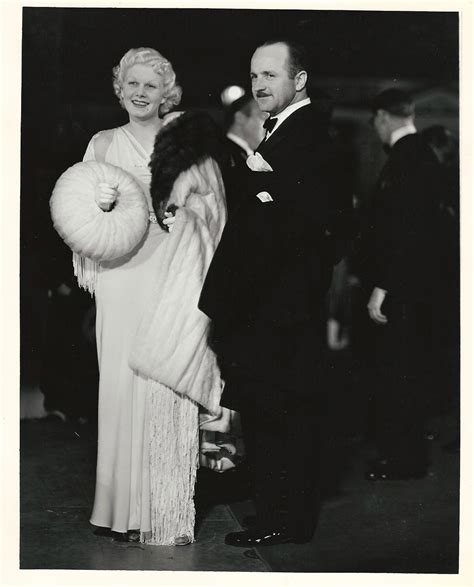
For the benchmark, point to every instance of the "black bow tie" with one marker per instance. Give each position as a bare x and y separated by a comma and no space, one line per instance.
269,124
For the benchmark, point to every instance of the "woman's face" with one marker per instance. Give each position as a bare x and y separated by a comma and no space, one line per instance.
142,92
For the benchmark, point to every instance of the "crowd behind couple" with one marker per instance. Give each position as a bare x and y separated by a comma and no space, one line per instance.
210,274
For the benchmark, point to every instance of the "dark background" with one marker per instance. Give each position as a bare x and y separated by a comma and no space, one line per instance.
67,95
69,53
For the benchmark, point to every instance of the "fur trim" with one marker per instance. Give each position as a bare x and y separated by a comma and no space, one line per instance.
172,322
187,140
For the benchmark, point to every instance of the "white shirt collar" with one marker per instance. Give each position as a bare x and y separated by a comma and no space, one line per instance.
241,142
403,131
283,115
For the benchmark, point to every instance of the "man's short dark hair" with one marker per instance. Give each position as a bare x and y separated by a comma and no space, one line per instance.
395,102
297,55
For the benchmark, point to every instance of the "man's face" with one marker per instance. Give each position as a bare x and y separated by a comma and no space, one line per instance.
272,87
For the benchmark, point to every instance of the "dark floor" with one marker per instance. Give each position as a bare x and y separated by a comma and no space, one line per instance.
397,527
57,488
381,527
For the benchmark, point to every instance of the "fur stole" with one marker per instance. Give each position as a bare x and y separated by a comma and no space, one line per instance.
187,140
171,345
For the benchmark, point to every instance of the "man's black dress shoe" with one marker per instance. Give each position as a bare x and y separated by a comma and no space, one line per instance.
384,470
250,538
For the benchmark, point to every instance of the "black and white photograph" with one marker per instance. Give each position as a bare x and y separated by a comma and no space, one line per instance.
239,291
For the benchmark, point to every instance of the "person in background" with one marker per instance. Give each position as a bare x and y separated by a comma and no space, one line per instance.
403,263
445,146
69,374
244,132
443,143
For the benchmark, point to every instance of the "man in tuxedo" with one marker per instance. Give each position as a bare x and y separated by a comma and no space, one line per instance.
265,292
244,133
403,266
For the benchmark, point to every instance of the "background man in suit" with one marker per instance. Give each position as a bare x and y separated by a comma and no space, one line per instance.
265,292
403,265
244,121
244,133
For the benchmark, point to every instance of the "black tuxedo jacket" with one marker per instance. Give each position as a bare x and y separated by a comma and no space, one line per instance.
404,233
236,154
234,159
266,286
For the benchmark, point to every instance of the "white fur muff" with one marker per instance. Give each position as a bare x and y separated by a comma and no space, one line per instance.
88,230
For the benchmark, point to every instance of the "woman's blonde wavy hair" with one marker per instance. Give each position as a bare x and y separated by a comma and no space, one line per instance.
146,56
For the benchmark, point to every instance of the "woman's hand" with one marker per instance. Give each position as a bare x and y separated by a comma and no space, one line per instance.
169,220
106,195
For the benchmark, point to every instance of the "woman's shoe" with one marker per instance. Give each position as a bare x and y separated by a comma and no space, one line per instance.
182,540
133,536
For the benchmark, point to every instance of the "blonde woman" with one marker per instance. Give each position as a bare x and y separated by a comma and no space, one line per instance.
155,365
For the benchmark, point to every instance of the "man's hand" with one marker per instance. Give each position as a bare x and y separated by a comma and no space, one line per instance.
375,305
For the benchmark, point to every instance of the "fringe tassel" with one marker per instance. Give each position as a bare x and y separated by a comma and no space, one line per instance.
174,459
86,272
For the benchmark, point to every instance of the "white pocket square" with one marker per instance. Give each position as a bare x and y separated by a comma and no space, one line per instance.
264,197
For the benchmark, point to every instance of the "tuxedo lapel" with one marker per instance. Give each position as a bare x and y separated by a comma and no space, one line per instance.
287,127
273,142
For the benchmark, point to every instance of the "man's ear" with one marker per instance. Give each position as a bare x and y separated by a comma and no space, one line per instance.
300,80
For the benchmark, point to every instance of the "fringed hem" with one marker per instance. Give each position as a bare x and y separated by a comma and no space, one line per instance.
86,272
147,538
174,459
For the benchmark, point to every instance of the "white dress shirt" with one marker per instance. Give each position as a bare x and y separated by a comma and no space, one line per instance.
241,142
403,131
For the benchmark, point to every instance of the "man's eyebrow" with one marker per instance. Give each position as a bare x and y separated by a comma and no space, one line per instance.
266,72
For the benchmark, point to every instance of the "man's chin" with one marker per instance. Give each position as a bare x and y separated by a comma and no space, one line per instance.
264,104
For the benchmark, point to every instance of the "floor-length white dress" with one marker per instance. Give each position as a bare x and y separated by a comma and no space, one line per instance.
127,496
